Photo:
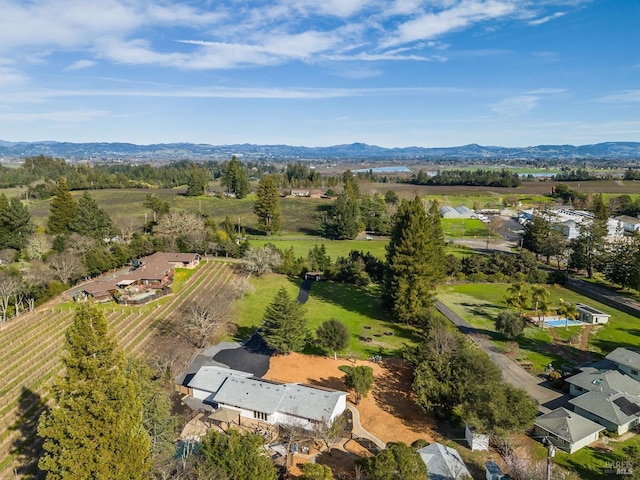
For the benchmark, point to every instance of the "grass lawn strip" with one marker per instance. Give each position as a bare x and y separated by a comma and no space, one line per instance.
360,309
479,304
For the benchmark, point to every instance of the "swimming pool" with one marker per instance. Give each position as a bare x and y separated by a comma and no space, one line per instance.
561,322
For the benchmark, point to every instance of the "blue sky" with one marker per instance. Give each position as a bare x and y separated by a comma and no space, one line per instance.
321,72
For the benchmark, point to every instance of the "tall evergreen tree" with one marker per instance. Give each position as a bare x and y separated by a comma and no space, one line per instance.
235,177
345,222
157,205
95,429
62,211
15,223
197,183
414,261
267,206
588,248
91,220
285,326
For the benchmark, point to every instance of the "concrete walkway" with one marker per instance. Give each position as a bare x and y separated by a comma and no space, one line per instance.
359,432
548,398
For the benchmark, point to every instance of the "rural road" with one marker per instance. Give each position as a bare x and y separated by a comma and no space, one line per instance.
548,398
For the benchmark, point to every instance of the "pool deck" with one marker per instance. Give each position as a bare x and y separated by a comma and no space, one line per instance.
560,322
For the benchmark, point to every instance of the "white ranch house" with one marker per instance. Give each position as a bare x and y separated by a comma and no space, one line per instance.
265,400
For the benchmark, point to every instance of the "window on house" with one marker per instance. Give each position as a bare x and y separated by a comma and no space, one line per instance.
634,372
261,416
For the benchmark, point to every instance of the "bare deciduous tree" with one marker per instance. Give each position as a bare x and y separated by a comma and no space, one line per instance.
203,317
10,286
66,266
174,225
79,244
128,225
260,261
330,433
39,245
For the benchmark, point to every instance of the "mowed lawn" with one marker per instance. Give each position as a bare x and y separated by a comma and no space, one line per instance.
480,304
360,309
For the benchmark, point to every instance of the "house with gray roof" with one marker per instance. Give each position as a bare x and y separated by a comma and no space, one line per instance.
628,361
616,411
603,381
608,392
265,400
443,463
567,430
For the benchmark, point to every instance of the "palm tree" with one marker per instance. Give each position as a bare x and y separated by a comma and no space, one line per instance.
569,311
540,300
517,297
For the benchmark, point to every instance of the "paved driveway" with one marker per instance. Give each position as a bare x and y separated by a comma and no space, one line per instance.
251,356
548,398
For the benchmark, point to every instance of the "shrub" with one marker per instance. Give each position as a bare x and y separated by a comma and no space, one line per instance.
537,276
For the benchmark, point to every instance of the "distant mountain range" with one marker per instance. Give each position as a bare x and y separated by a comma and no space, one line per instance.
107,152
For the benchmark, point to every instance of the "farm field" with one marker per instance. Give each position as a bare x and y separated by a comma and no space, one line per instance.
479,304
335,248
31,346
300,215
360,309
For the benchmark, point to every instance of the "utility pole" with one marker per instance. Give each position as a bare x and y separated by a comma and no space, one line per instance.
551,452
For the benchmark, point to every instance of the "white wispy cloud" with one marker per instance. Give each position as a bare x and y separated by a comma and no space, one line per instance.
66,116
228,34
627,96
548,18
431,25
264,93
10,77
80,64
546,91
515,105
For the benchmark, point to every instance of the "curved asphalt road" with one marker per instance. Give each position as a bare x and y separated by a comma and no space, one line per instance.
511,372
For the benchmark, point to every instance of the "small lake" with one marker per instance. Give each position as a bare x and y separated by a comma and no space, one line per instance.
393,169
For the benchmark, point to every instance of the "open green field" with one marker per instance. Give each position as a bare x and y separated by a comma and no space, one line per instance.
479,304
335,248
300,215
356,307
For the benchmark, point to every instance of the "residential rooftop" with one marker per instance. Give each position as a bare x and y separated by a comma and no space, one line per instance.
626,357
567,425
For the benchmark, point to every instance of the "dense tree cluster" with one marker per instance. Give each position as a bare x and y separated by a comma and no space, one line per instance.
300,175
568,174
496,267
485,178
235,177
354,212
452,375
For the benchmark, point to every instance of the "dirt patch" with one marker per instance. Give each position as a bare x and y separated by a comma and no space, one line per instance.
388,412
